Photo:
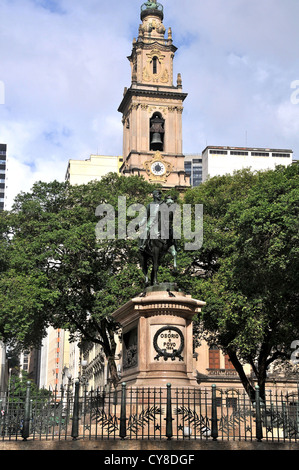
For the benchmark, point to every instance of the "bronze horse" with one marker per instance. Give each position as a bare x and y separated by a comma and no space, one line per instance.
154,252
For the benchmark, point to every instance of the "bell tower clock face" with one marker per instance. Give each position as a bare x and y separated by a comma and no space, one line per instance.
158,168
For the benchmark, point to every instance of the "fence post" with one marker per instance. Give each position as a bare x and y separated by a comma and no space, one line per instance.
123,410
214,414
26,423
75,424
168,418
259,431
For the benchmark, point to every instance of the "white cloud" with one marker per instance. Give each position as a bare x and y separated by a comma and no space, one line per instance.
64,66
288,119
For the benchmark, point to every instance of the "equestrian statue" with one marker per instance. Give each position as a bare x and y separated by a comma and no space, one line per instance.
157,237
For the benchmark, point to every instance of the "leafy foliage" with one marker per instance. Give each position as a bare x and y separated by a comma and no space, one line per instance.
247,271
54,270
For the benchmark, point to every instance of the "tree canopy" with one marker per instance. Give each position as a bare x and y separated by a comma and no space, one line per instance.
55,271
248,267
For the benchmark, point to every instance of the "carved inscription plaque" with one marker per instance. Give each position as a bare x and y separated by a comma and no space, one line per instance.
169,343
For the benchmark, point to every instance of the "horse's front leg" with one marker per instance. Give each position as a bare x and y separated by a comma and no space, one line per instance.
174,262
154,277
144,267
173,252
145,272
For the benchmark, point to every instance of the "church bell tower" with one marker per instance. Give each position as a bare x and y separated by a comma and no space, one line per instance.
152,107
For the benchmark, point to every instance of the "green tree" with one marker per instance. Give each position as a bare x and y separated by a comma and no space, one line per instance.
17,387
247,270
54,271
58,272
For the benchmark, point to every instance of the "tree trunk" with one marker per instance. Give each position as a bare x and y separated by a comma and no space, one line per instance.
262,376
113,371
243,377
109,346
262,386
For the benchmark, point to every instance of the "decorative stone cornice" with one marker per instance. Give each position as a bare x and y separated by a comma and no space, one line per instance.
154,92
158,303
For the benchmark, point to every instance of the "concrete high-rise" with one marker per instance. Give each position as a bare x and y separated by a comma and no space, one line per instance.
94,168
218,161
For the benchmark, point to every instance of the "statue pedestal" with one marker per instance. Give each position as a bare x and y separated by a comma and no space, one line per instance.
157,337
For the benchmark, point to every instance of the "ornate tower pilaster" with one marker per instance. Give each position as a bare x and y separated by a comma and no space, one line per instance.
152,107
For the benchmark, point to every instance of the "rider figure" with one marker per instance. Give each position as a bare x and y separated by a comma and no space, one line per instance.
152,211
153,221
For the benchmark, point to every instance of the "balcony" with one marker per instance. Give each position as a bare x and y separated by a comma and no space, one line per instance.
222,373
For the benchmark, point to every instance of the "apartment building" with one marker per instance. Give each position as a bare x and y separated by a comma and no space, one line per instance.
93,168
217,161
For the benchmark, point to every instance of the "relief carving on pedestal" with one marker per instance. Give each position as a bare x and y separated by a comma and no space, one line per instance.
130,350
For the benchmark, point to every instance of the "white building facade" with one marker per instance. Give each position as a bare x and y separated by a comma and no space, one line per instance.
218,161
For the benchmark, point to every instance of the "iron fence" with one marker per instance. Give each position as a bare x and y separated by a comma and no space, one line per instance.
149,413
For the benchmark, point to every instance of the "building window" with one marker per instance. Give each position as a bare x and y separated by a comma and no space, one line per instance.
214,357
232,402
218,152
228,364
188,168
285,155
233,152
155,65
260,154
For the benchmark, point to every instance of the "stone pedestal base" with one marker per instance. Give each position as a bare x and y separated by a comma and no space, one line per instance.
157,338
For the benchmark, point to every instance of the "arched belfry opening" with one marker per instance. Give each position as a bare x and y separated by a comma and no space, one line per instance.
157,132
155,62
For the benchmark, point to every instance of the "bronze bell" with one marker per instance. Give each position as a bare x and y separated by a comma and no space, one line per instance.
156,138
156,130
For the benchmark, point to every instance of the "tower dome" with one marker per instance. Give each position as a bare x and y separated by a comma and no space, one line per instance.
152,8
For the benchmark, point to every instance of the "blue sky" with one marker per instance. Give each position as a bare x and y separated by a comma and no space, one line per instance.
64,66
